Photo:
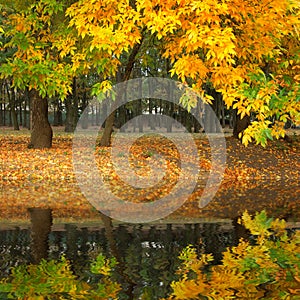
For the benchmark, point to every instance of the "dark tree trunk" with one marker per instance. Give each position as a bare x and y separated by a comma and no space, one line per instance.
41,133
93,116
106,137
57,113
197,126
1,114
4,114
139,112
209,120
85,113
71,103
188,121
122,118
151,118
97,114
71,114
13,118
85,119
169,113
20,112
13,112
71,241
27,109
223,114
240,124
109,121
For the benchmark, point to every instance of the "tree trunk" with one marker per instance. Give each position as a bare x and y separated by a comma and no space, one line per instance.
240,124
209,120
71,241
109,122
20,112
97,114
71,103
151,118
41,134
27,111
122,118
85,114
106,137
13,112
71,114
13,119
139,112
1,114
57,113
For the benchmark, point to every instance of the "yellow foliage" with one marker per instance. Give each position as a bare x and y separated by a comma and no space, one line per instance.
187,289
246,50
265,269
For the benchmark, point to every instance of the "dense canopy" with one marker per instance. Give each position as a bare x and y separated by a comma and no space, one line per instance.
246,50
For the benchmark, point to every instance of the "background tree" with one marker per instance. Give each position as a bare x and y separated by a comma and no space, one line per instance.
36,33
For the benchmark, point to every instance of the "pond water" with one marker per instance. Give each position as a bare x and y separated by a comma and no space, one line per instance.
147,253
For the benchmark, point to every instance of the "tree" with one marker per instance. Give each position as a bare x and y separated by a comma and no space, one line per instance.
37,33
247,51
113,38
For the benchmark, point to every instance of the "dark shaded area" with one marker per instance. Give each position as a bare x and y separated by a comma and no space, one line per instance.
240,124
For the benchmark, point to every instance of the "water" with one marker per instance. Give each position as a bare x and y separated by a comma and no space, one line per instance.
147,254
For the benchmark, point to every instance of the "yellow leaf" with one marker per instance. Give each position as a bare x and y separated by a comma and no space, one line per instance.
246,139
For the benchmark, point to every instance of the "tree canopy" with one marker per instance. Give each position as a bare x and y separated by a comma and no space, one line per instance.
246,50
37,33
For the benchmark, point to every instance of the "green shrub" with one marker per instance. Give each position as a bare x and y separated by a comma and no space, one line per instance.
55,280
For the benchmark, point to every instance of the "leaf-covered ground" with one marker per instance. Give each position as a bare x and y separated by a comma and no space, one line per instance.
255,178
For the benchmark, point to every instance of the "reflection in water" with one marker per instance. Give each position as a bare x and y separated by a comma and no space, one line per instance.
147,254
41,222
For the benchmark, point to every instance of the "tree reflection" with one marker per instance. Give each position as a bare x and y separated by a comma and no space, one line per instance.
41,222
147,254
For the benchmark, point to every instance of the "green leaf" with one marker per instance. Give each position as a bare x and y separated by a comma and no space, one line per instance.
268,134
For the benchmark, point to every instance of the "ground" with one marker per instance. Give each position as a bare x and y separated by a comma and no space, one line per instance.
255,178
